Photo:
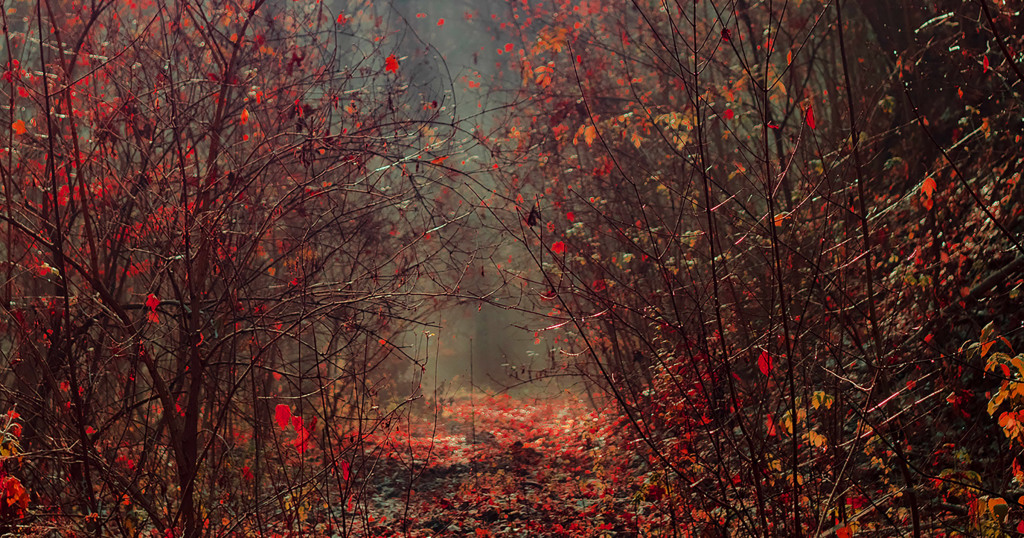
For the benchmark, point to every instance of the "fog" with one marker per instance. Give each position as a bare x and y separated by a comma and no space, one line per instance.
441,47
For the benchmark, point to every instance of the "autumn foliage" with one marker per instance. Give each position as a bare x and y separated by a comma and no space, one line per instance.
778,245
774,232
210,212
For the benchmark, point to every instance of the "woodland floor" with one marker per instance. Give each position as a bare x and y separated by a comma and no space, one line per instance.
532,468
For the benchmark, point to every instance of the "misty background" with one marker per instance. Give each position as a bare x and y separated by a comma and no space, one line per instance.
449,52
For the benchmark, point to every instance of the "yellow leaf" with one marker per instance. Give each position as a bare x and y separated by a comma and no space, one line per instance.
819,398
993,404
987,338
1017,362
19,127
1015,390
988,331
816,439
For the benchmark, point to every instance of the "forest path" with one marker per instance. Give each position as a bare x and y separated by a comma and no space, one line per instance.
532,468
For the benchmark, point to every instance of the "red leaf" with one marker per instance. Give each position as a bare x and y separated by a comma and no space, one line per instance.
283,413
63,193
302,442
984,64
558,247
297,423
764,363
571,216
345,467
728,114
810,118
152,301
599,285
391,64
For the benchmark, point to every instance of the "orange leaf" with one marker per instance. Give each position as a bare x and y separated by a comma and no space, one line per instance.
16,493
391,64
19,127
589,134
928,187
245,116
